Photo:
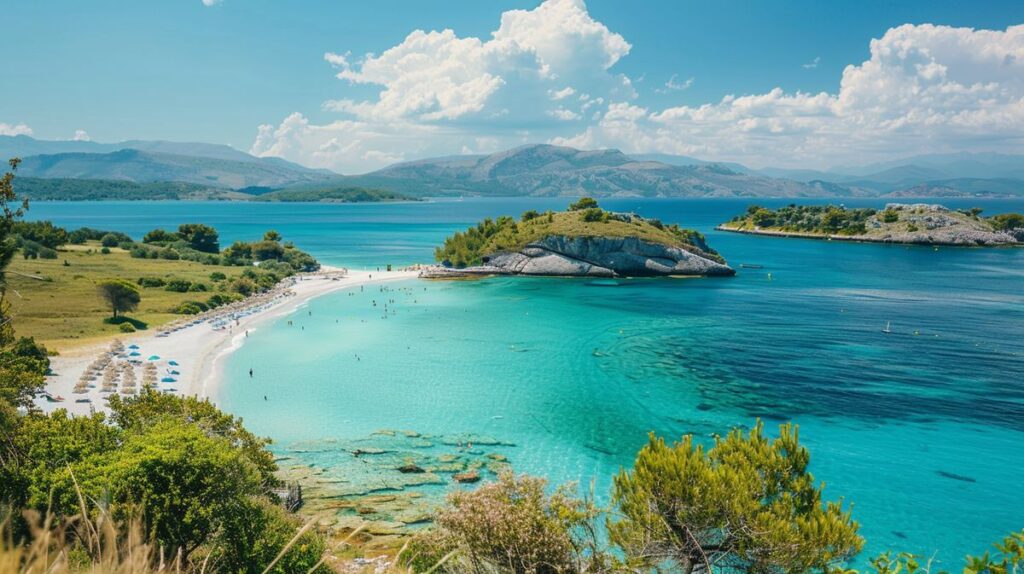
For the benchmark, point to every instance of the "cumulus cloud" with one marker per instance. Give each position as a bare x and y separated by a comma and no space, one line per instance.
81,136
924,89
211,2
547,75
14,130
464,91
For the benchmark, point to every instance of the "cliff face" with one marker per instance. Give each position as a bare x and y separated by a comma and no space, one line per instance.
558,255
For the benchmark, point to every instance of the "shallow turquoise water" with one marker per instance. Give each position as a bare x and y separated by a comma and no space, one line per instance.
923,432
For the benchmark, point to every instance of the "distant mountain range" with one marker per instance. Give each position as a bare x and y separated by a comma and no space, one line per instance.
219,171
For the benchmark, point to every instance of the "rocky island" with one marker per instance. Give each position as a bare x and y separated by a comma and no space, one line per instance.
919,223
584,241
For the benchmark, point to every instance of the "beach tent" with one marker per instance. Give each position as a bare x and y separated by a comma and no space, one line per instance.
168,380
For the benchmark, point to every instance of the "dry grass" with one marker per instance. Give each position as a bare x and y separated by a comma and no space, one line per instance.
63,310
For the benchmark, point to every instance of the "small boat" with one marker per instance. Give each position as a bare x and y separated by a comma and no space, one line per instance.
55,398
887,328
751,266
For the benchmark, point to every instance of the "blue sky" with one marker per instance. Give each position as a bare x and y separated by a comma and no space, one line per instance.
644,76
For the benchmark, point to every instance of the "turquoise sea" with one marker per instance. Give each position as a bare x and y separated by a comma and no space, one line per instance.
922,429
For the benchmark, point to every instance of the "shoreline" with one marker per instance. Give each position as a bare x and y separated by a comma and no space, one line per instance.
856,238
198,350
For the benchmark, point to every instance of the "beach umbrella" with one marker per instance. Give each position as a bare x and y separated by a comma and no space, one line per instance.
172,363
135,354
154,358
168,380
175,373
133,347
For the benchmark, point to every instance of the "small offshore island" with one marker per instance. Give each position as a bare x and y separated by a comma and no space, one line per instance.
918,224
584,241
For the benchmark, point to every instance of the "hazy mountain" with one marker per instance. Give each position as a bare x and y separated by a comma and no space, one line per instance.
963,187
687,160
546,170
949,166
24,146
144,166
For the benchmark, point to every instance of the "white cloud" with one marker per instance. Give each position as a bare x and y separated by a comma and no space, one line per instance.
211,2
455,89
81,136
924,89
674,85
546,75
14,130
812,64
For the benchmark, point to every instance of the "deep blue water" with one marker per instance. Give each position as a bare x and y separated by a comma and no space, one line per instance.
922,429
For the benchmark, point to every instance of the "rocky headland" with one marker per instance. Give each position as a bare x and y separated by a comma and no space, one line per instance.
916,224
584,241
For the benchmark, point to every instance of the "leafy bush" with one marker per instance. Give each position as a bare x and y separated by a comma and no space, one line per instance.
217,276
200,237
151,282
178,285
189,308
531,214
511,525
595,214
169,254
160,236
198,288
1007,221
583,203
242,286
105,250
890,216
109,240
126,327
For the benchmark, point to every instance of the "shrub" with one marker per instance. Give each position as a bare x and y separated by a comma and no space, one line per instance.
583,203
200,237
218,299
890,216
178,285
105,251
531,214
151,282
47,253
595,214
169,254
109,240
511,525
160,236
198,288
267,250
217,276
912,227
242,286
126,327
189,308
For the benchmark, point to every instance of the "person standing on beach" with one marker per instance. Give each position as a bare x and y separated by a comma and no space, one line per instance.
250,372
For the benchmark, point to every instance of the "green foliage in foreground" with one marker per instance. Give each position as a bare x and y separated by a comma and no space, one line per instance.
584,218
747,503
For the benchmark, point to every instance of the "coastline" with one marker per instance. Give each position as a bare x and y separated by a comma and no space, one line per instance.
925,241
199,350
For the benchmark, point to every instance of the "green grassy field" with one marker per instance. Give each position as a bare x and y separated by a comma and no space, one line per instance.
63,309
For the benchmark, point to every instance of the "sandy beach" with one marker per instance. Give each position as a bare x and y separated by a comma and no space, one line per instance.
192,355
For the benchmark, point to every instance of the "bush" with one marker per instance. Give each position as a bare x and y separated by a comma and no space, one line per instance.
47,253
178,285
217,276
169,254
511,525
189,308
160,236
109,240
594,214
242,286
531,214
198,288
583,203
105,251
151,282
126,327
218,299
890,216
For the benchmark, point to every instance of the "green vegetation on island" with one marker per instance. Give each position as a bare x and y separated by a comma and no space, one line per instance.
71,189
333,194
584,218
897,223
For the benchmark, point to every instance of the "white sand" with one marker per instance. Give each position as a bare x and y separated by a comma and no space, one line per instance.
198,350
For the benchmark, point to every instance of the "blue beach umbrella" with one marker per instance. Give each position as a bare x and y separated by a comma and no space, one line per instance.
172,363
133,346
135,354
168,380
175,373
154,358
